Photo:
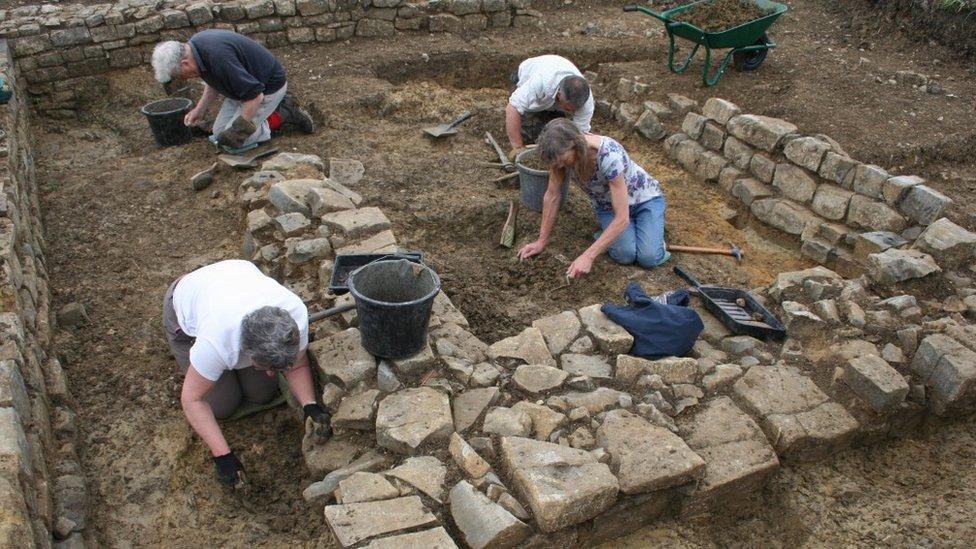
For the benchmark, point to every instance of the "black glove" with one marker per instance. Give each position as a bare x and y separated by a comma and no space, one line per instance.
230,470
237,133
318,420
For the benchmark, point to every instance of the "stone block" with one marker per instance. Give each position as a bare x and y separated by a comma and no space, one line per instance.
948,369
529,347
646,457
466,458
762,167
563,486
364,486
682,105
693,124
895,188
482,522
783,214
357,522
838,168
893,266
592,366
871,214
738,153
795,414
950,244
435,538
687,153
650,127
876,382
874,242
728,177
358,222
410,418
923,204
342,356
712,136
795,183
610,336
762,132
737,455
806,152
425,473
720,110
671,370
749,190
559,330
869,180
356,411
831,201
538,378
710,165
469,405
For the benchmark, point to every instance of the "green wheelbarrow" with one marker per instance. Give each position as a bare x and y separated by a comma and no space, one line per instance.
748,43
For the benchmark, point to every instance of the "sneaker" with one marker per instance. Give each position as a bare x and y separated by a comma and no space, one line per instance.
295,116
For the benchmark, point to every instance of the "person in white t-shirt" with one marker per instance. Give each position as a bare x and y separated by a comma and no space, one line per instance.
231,329
546,87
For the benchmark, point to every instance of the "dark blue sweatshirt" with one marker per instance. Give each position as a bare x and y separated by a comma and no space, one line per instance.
236,66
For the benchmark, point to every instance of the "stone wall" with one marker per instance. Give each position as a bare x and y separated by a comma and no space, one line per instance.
57,47
557,437
43,495
840,210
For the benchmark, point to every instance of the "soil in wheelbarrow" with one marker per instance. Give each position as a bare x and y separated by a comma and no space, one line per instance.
721,14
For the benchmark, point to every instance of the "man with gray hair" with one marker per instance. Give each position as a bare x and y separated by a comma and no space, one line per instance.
231,329
546,87
248,76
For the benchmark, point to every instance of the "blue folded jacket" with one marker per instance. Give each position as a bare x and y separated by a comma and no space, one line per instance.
659,329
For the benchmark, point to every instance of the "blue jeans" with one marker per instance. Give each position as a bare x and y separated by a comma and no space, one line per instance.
642,242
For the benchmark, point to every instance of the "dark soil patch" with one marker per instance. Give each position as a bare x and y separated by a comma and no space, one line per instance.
721,14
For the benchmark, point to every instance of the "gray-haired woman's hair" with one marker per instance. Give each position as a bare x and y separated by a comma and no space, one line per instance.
559,136
166,59
270,336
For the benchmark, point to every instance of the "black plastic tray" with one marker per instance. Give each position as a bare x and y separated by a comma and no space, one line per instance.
721,302
345,264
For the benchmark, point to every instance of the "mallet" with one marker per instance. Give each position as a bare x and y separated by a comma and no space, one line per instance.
732,250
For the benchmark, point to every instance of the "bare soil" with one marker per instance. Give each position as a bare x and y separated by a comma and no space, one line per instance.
720,15
122,223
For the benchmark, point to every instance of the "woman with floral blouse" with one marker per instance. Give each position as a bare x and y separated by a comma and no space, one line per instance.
627,201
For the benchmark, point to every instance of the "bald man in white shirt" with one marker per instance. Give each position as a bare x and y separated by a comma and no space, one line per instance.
546,87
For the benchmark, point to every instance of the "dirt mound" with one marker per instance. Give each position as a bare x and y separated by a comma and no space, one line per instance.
721,14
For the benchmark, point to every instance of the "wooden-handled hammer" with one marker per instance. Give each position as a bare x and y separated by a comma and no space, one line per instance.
732,250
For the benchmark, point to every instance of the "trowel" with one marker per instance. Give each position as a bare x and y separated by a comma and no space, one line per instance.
241,162
448,128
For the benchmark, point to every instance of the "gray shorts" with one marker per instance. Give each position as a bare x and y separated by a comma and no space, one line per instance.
234,386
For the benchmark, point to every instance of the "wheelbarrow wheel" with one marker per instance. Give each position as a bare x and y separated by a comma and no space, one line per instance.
750,60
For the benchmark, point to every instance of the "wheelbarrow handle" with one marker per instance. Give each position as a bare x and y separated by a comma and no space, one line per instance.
647,11
687,276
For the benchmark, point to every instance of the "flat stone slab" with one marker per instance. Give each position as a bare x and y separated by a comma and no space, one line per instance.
289,196
586,365
538,378
559,330
646,457
545,420
671,370
356,411
362,486
472,464
382,242
529,347
358,222
482,522
323,200
425,473
435,538
737,455
796,416
469,405
563,486
284,161
893,266
356,522
596,401
413,417
610,336
507,422
342,356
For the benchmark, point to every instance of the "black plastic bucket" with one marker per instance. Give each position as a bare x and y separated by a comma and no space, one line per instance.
533,183
166,120
394,298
